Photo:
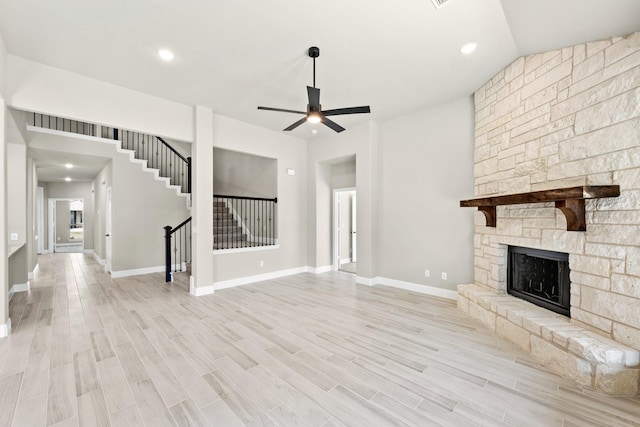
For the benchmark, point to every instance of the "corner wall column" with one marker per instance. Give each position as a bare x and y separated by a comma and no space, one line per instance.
5,322
201,281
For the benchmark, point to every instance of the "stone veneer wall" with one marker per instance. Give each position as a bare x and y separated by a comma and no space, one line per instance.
558,119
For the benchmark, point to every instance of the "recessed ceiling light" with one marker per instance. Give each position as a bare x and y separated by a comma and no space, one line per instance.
67,179
165,54
468,48
68,165
314,131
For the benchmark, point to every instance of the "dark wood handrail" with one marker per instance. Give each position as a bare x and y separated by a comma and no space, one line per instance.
220,196
184,159
182,224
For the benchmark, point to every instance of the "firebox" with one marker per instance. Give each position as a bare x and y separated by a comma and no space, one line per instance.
540,277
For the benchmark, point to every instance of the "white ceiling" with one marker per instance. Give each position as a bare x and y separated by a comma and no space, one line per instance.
51,165
232,56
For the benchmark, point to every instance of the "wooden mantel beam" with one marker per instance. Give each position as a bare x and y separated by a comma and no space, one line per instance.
569,200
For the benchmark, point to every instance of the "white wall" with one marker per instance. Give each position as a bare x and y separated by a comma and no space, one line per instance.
411,173
242,174
290,152
32,227
17,190
3,68
4,296
48,90
99,187
142,206
362,142
426,169
343,174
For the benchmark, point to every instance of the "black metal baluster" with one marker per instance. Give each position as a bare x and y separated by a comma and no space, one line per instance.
253,221
245,223
180,245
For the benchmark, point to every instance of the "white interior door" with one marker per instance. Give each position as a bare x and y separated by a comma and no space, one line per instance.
108,234
353,227
343,227
52,225
336,230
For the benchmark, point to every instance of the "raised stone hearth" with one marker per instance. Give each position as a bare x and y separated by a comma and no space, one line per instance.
593,361
565,118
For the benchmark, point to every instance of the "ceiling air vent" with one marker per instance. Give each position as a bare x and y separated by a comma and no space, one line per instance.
439,3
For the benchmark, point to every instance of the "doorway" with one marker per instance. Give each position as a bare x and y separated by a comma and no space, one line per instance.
66,225
108,242
344,230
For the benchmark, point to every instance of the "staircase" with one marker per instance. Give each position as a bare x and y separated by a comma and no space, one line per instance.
153,153
244,222
227,232
238,222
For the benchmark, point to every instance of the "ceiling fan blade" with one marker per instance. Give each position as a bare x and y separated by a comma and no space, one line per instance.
333,125
314,97
351,110
282,110
296,124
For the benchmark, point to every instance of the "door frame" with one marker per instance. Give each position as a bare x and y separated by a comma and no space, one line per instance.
108,232
51,220
336,224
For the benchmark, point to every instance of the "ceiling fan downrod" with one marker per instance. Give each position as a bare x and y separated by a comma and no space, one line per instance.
314,52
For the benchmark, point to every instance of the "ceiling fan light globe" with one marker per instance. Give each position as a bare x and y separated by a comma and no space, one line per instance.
314,118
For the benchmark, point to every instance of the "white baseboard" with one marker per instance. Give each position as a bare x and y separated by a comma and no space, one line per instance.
345,261
19,287
319,270
89,251
137,271
5,328
258,278
199,291
45,252
98,259
32,274
208,290
408,286
367,281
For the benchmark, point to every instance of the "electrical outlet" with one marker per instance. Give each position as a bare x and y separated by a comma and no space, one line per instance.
261,263
427,273
444,276
14,236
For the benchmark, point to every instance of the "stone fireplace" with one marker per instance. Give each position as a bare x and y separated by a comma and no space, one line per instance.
565,118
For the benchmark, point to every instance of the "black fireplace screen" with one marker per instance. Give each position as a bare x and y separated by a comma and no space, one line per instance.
540,277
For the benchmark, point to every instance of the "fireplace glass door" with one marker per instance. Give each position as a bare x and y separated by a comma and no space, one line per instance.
540,277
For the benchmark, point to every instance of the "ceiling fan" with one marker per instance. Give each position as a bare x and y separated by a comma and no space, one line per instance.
314,113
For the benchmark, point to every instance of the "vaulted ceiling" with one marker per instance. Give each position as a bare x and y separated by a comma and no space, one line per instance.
232,56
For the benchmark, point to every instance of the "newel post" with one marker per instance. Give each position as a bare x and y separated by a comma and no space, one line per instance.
189,175
167,254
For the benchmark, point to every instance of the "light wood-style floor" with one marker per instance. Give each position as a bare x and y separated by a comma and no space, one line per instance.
303,350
